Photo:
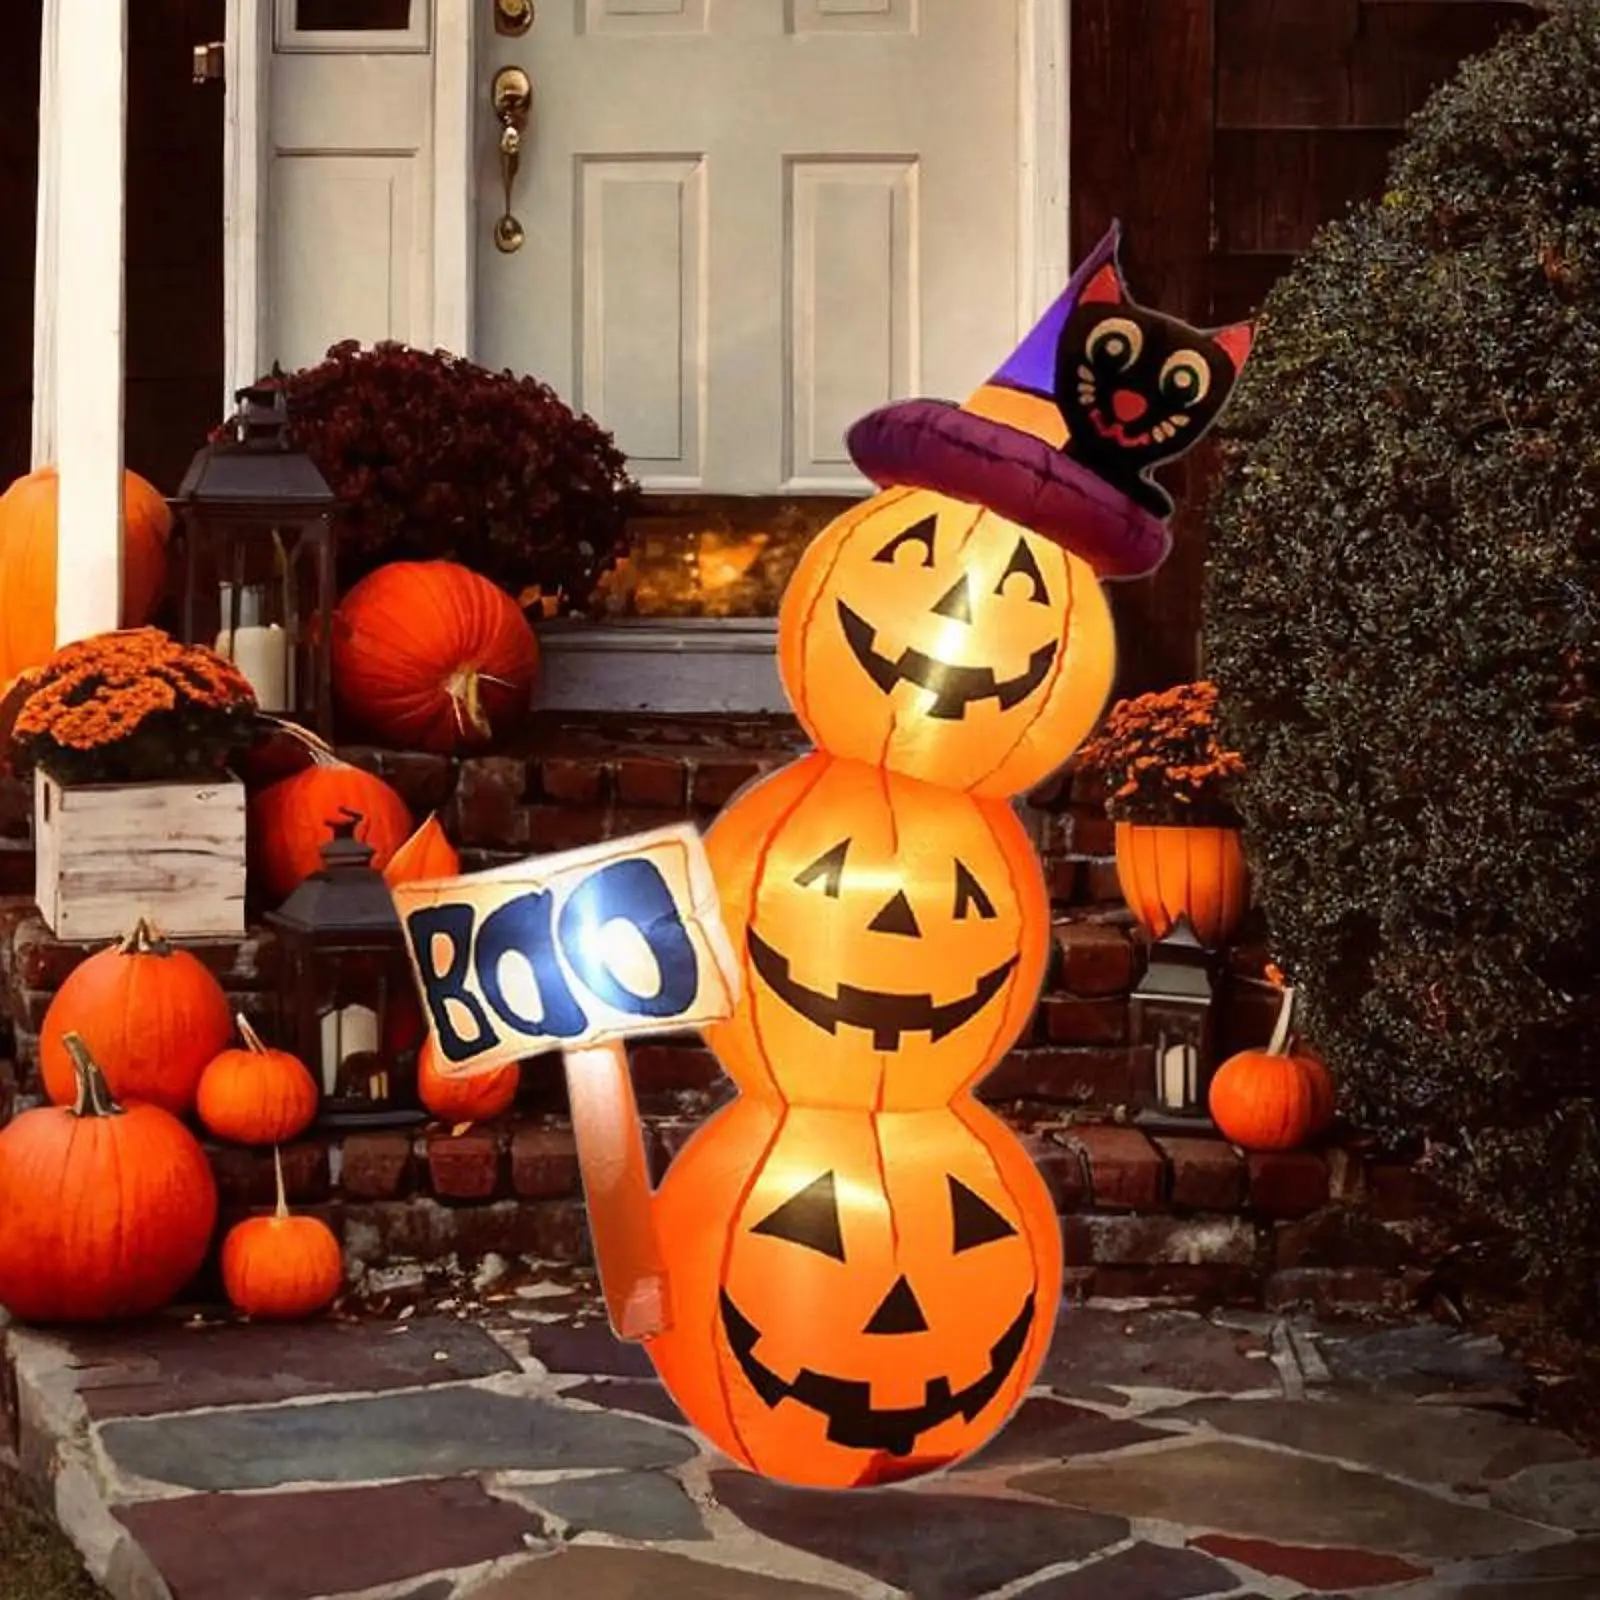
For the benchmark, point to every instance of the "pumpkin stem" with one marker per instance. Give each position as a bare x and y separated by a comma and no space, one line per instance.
1280,1033
145,939
281,1214
94,1093
321,752
462,687
251,1038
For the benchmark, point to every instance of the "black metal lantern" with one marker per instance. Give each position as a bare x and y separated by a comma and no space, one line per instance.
259,559
345,989
1171,1011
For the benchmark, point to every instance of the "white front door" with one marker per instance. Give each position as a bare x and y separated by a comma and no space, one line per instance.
346,231
748,222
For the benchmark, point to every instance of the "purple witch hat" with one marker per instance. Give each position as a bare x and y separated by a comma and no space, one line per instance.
1003,450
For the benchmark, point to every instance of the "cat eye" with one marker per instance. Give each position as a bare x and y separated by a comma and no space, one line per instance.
1022,565
1116,340
918,537
1185,378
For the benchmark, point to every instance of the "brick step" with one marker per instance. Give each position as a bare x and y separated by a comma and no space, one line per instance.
1191,1218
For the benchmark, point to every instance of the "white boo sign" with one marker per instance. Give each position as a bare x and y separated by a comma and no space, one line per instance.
564,952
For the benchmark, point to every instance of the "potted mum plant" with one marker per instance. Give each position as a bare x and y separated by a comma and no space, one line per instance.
1178,843
128,737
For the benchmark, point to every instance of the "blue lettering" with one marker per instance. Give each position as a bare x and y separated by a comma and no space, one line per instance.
523,926
633,891
423,926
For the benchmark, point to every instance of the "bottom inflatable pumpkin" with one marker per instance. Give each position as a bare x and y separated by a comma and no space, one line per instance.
856,1299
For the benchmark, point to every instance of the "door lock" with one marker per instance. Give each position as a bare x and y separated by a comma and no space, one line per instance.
512,18
210,62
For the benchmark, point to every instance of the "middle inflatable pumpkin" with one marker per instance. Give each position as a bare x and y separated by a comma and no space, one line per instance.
893,935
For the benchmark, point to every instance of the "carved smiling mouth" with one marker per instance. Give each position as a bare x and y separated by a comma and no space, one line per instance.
853,1420
953,687
885,1016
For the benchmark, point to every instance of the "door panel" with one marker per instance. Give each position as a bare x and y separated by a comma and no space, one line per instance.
749,221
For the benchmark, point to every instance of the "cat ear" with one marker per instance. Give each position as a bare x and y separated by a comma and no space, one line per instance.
1235,342
1104,288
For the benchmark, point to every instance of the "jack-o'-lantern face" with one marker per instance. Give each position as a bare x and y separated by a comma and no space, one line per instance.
938,639
893,936
882,1301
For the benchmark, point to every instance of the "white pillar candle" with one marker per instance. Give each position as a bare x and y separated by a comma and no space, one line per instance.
262,655
350,1031
1176,1085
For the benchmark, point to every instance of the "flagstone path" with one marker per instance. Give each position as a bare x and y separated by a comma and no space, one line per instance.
526,1455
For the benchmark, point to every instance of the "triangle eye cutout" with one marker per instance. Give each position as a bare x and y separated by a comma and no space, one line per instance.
809,1219
976,1221
897,917
970,897
828,868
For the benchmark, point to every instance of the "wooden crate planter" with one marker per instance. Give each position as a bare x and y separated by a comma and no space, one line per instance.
109,853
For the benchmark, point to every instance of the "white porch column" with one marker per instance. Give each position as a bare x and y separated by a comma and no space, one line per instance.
84,144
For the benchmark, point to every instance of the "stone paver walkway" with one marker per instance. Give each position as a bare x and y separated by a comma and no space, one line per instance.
527,1456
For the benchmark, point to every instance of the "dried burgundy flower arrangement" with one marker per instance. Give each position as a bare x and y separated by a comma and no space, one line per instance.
437,458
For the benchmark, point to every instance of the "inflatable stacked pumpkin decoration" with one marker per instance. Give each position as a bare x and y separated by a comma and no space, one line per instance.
864,1264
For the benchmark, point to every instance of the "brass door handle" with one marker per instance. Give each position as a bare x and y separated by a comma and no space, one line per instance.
511,95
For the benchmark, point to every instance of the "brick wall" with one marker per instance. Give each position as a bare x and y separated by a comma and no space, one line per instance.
1170,1215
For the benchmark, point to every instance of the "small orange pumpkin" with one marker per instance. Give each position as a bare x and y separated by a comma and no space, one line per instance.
1272,1099
1263,1101
282,1266
29,511
428,853
429,655
108,1210
256,1095
1170,871
465,1096
153,1016
289,821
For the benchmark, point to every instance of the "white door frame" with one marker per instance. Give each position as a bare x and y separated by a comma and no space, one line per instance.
1043,247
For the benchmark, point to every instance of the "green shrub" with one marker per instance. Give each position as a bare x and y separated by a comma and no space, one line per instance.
1403,615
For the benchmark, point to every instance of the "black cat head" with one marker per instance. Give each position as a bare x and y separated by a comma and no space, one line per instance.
1061,436
1137,387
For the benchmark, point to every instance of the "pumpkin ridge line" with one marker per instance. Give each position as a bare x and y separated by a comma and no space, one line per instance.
717,1340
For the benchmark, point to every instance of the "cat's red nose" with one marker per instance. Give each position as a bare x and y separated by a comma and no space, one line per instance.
1128,405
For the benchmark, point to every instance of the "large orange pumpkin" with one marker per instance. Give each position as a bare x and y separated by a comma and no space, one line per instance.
428,655
108,1211
256,1095
457,1097
153,1016
857,1298
281,1266
428,853
289,821
894,936
1324,1095
28,516
1169,872
937,639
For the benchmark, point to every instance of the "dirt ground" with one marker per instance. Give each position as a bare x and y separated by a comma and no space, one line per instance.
36,1562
